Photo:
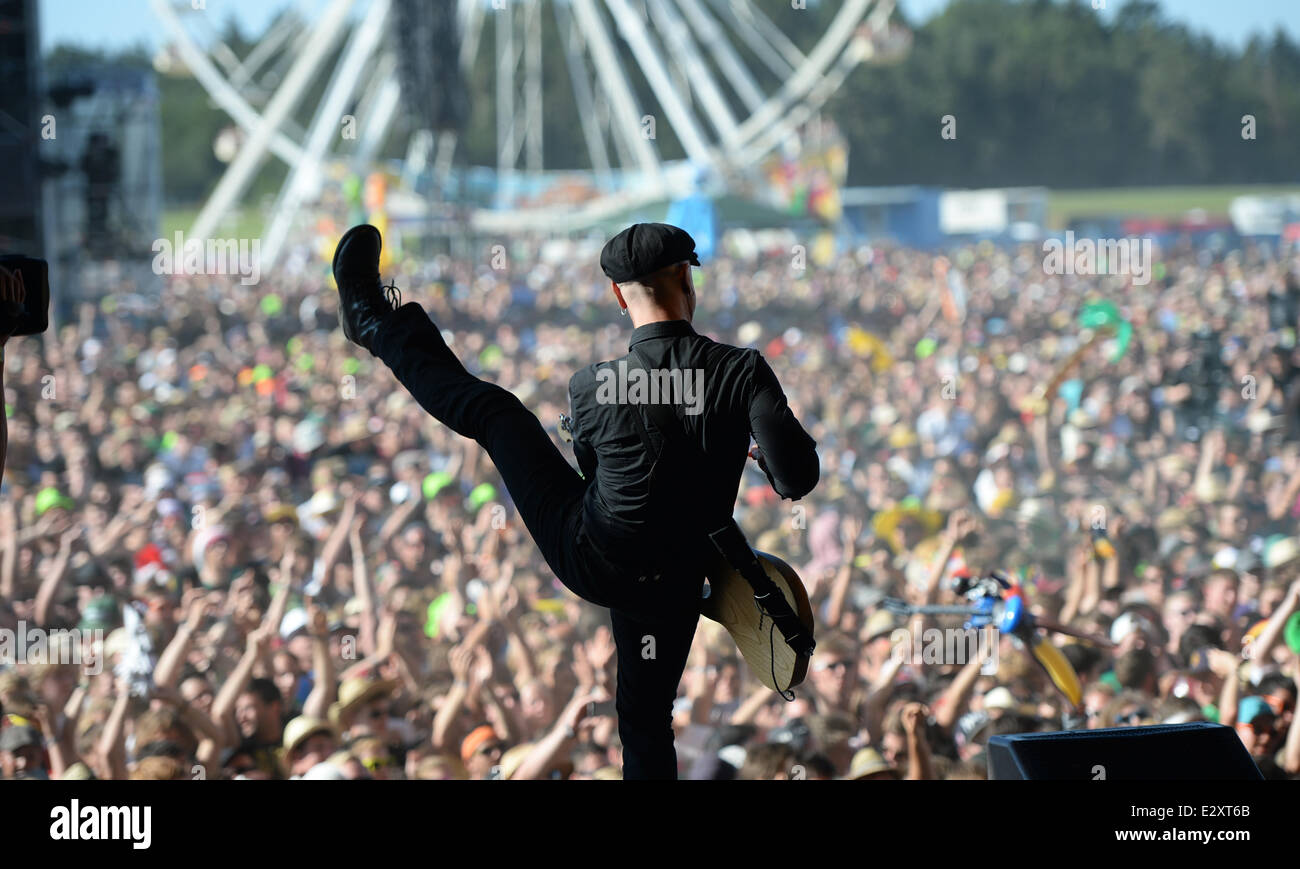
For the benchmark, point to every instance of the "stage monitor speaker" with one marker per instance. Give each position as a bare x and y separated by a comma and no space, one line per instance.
1199,750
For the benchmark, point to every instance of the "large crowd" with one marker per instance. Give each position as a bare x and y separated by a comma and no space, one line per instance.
248,553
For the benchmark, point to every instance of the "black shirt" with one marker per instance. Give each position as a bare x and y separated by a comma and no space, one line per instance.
721,394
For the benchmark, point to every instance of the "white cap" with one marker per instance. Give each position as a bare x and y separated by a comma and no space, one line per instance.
1127,624
733,754
1226,557
1000,698
324,771
294,620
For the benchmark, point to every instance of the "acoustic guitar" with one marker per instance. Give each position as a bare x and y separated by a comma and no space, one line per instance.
730,602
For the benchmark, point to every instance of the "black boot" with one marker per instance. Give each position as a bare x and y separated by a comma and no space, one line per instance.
364,302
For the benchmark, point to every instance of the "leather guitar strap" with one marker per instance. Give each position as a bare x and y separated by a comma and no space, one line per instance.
728,538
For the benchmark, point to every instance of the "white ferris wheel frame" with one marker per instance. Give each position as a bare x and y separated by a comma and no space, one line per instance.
668,41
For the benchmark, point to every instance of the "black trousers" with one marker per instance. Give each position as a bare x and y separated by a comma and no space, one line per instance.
653,619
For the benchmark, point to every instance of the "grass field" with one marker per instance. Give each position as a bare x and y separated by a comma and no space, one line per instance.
246,223
1065,205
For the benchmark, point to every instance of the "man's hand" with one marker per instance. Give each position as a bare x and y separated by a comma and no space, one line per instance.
481,672
582,667
461,659
510,604
600,648
386,634
576,712
486,605
850,530
196,605
69,537
961,524
259,639
913,719
317,623
1222,663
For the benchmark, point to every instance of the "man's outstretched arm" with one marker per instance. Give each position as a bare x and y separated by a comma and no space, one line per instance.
786,453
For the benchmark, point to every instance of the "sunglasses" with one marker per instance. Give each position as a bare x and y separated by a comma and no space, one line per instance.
375,764
378,713
1133,717
834,665
1256,728
1279,705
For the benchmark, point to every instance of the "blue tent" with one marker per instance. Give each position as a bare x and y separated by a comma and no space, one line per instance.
697,215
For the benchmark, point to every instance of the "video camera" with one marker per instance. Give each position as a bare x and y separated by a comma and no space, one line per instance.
32,316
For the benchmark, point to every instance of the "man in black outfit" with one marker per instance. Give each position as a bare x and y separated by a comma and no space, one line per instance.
615,534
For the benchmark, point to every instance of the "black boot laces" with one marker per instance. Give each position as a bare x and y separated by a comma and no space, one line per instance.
393,295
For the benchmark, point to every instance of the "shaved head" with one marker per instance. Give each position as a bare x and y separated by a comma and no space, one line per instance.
652,286
665,294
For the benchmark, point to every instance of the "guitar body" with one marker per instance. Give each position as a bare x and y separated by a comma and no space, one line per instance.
731,604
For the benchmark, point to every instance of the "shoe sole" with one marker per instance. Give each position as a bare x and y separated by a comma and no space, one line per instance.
361,227
334,264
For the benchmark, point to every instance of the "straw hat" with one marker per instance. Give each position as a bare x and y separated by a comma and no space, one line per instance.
355,693
867,762
297,731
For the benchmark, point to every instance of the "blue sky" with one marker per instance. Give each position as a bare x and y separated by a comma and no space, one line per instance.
121,23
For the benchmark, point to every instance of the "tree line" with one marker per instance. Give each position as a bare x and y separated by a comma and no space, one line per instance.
1034,92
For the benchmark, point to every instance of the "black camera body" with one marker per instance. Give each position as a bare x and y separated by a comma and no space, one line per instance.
32,317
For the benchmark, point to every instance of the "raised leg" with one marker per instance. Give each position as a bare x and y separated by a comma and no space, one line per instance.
545,488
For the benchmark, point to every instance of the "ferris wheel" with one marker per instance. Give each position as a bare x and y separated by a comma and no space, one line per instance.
704,62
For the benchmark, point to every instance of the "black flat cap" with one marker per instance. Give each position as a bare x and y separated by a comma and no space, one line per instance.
643,249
